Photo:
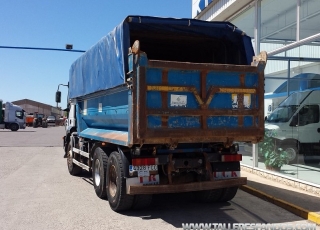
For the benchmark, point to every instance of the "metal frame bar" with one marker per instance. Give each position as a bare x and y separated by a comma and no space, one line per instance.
298,20
257,29
189,187
295,44
288,78
276,58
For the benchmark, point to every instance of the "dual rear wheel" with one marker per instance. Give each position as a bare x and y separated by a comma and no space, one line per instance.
216,195
108,173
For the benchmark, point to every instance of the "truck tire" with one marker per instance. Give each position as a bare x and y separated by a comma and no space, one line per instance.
118,199
14,127
74,169
34,124
44,125
208,196
141,201
99,171
228,194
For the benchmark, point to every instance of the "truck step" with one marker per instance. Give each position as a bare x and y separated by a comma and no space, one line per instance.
82,153
85,167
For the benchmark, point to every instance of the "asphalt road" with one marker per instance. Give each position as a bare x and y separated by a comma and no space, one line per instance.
37,192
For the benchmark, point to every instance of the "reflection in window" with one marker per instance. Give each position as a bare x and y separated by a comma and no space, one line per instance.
295,98
300,82
282,114
308,114
288,107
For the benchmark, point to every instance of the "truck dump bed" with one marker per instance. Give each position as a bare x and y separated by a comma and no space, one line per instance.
184,81
185,102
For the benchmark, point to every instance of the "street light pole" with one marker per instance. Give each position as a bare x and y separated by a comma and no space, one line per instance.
38,48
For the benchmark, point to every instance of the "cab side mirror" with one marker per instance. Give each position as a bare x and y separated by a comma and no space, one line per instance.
58,96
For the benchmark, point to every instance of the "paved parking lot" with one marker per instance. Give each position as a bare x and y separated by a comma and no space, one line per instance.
37,192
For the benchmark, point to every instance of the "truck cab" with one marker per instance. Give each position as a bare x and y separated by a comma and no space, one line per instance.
12,117
70,124
295,126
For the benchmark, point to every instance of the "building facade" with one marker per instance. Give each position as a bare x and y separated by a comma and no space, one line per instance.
31,106
289,31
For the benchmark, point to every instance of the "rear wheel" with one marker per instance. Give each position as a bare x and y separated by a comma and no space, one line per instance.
74,169
118,199
208,196
99,170
228,194
14,127
34,124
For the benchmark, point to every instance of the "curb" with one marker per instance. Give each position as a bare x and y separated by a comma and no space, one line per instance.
304,213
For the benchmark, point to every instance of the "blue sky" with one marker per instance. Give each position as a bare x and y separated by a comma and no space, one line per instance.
35,75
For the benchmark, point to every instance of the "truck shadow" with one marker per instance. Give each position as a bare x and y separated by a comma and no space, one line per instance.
87,177
182,208
176,208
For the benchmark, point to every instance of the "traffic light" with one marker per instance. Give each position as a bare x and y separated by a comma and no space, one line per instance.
58,96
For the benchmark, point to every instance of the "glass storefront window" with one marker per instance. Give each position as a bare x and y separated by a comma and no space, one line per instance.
292,127
291,143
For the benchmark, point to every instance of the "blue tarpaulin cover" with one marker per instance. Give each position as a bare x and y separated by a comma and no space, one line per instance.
104,65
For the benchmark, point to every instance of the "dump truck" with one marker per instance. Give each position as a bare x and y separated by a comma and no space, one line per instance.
12,117
159,105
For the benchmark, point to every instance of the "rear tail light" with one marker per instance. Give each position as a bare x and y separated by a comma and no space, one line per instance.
233,157
144,161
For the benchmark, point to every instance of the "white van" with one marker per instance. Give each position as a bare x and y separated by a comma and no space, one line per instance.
295,125
268,107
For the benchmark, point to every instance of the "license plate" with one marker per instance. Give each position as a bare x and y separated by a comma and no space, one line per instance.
144,167
149,180
146,180
226,175
143,170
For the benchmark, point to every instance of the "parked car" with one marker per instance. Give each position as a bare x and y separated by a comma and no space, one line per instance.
51,121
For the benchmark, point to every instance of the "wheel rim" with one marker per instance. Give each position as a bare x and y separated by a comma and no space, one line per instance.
291,153
112,181
97,172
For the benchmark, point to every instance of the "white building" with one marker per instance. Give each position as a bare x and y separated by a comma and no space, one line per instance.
289,30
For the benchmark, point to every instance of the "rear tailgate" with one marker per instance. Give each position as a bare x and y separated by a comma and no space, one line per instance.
178,102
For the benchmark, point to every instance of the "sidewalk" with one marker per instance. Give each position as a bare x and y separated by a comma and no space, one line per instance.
297,201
